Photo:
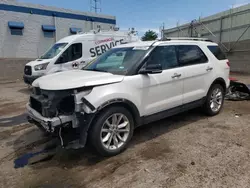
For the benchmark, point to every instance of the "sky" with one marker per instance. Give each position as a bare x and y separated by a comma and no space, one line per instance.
149,14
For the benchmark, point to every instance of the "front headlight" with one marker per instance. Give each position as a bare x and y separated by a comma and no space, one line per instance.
41,66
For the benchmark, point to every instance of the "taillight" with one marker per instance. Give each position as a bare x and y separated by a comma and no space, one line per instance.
228,63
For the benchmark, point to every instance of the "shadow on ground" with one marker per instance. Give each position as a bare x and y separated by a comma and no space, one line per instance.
56,156
26,90
12,121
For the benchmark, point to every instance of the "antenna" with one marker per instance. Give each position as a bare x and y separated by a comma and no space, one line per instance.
95,5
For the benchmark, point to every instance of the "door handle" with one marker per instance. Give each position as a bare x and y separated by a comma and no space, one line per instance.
209,68
176,75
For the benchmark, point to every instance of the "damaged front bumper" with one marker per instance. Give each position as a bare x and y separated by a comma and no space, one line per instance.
48,124
64,127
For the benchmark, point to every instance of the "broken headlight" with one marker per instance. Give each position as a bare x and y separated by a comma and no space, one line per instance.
66,105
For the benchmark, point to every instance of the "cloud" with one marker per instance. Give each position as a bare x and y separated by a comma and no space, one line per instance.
142,30
146,29
239,4
155,25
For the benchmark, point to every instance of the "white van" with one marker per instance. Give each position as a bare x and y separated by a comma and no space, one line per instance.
75,52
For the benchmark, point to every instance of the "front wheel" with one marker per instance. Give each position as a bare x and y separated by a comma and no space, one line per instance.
215,100
112,131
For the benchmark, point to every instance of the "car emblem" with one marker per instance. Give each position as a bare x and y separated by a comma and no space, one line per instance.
75,65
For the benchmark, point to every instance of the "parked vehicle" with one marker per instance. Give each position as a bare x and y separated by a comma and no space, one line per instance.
128,86
75,52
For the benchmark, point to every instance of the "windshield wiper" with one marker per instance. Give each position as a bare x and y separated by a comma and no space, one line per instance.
97,70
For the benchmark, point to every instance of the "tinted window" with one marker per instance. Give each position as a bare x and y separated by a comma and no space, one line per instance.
217,52
190,54
164,55
73,52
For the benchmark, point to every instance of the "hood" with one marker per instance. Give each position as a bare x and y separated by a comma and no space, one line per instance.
38,62
75,79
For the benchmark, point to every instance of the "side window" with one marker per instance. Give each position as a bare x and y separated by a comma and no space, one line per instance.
190,55
164,55
73,52
217,52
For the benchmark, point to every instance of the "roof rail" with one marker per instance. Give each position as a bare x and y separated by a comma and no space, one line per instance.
187,38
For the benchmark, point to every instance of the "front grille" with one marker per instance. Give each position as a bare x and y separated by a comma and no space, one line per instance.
36,105
27,70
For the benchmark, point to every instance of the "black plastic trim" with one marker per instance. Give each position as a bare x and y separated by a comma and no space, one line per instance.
88,104
221,80
131,105
173,111
86,120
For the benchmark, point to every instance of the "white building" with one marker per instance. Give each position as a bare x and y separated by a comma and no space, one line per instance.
27,30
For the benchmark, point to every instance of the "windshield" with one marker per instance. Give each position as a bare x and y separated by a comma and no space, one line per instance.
53,51
118,60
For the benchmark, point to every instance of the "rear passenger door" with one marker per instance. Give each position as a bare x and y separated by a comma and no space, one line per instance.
197,72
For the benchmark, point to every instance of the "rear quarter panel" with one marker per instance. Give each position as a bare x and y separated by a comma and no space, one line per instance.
221,69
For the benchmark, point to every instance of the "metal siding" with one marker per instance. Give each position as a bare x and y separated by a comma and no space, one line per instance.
239,21
231,32
32,43
42,12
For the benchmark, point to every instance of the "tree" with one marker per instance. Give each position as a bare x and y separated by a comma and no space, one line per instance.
149,35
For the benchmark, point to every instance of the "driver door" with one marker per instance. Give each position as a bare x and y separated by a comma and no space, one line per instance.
71,58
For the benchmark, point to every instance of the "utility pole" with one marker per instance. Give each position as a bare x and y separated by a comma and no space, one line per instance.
95,5
162,28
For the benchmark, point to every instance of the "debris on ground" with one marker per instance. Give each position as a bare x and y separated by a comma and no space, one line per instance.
238,91
238,115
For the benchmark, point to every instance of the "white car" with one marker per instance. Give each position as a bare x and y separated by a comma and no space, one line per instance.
128,86
75,52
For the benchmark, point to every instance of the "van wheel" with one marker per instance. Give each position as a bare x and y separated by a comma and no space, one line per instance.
112,131
214,100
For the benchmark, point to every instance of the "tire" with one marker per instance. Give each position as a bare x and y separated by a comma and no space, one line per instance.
208,107
103,126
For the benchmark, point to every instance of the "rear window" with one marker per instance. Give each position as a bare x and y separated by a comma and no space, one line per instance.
217,52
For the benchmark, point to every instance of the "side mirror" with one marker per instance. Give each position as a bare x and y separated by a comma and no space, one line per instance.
151,69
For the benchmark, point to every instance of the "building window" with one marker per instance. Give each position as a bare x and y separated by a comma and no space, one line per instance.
16,28
49,31
74,30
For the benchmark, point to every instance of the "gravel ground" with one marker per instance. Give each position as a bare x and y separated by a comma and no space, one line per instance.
187,150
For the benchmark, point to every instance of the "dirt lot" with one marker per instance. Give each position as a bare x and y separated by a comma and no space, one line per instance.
187,150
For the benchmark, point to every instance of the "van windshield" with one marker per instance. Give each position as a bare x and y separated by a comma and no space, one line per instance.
53,51
117,60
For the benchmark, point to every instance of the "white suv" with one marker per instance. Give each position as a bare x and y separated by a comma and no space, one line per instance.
128,86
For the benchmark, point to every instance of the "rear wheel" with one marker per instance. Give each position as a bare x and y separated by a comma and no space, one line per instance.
112,131
215,100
